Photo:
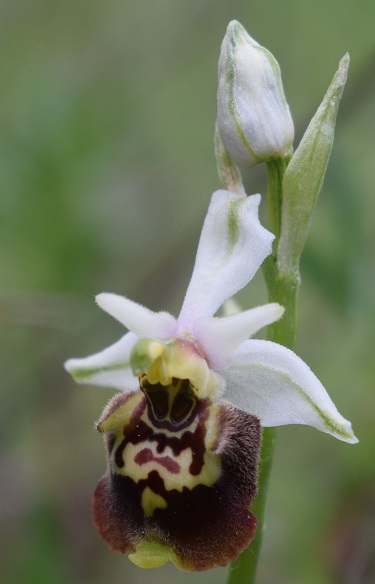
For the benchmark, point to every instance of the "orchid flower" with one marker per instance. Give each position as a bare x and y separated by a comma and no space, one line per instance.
183,436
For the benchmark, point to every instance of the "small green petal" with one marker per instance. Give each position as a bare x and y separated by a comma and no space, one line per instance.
152,554
144,354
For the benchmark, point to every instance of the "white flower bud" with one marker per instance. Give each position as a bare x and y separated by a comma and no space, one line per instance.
253,118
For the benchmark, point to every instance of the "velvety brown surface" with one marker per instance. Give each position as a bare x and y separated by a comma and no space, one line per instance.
206,526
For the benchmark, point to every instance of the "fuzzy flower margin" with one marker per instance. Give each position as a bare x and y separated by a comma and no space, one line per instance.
183,436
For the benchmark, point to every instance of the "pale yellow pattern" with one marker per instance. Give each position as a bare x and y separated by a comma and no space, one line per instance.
116,421
208,476
151,501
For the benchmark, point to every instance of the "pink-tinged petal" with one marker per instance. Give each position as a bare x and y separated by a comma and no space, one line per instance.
219,337
138,319
178,495
271,382
232,246
109,368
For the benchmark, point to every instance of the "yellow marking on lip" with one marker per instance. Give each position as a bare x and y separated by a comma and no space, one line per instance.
209,474
121,416
212,429
152,554
151,501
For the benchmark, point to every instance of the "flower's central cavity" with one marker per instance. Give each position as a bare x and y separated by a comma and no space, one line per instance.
171,406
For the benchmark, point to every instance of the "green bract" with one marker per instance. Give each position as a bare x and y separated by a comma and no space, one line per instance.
304,175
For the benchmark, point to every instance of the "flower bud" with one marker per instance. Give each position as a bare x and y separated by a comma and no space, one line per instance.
253,118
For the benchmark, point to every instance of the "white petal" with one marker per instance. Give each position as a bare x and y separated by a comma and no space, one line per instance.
138,319
232,246
218,337
110,367
275,385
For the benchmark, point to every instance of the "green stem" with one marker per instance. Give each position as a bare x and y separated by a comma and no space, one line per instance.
282,288
243,570
275,173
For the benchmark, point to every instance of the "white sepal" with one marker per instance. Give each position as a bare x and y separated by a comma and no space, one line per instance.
232,246
110,367
271,382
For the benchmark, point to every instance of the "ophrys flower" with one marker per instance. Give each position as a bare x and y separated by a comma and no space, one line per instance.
183,436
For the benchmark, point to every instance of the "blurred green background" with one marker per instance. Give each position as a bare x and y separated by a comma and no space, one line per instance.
107,112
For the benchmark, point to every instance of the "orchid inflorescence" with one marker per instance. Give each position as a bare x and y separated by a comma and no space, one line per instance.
184,433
